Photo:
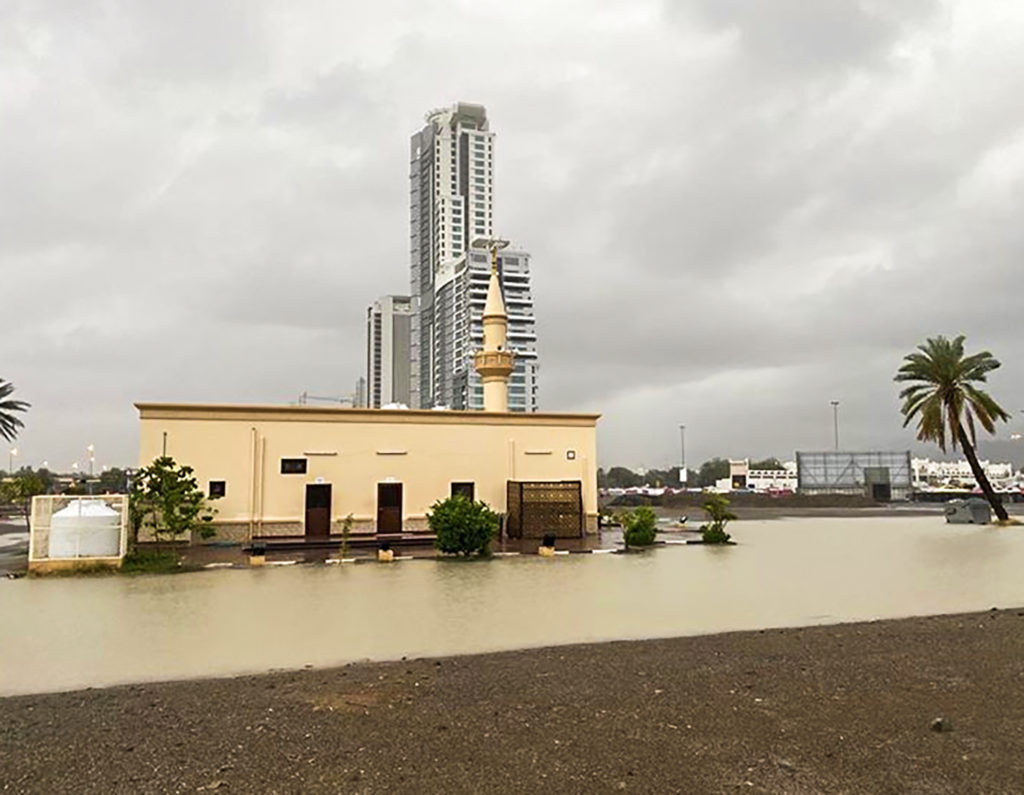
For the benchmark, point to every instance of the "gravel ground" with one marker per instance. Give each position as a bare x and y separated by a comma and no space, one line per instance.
825,709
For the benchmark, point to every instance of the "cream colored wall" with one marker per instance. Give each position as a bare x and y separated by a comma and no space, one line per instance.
354,456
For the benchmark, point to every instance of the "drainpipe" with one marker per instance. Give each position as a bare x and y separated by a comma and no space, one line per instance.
252,479
263,477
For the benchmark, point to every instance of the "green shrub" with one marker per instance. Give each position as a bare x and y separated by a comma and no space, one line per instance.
713,534
461,526
639,527
717,508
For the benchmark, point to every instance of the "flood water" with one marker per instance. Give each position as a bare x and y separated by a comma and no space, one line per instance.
60,634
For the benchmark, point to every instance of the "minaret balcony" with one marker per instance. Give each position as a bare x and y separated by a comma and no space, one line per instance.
494,363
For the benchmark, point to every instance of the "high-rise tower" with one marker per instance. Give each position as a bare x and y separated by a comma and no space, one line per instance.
387,351
451,205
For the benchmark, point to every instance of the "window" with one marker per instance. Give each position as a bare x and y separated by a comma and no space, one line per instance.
293,466
465,489
218,488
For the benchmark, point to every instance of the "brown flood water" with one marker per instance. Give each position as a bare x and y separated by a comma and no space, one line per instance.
60,634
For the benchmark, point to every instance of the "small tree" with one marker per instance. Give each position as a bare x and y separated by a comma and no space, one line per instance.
717,508
639,527
113,481
712,471
20,489
346,530
166,498
462,526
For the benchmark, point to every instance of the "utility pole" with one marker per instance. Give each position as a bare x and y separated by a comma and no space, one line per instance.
682,455
835,421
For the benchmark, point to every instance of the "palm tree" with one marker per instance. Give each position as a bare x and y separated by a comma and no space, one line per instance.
9,424
943,395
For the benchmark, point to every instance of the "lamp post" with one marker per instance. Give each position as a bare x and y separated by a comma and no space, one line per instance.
835,421
682,455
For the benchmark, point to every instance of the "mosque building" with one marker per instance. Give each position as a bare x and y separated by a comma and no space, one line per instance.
297,472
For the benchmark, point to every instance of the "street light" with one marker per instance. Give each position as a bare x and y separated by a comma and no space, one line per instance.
835,421
682,455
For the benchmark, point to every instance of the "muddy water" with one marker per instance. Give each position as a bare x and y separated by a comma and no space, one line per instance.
68,633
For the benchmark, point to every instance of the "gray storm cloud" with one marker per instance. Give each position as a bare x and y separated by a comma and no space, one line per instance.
737,210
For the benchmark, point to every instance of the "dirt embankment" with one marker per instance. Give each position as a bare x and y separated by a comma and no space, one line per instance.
826,709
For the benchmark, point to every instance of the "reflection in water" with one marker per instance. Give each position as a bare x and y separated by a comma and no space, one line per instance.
66,633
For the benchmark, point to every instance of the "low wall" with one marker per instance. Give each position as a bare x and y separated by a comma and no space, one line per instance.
53,566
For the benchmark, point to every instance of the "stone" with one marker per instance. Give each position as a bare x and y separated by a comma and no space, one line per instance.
942,725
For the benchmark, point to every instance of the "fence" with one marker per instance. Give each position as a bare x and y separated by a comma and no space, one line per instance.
70,529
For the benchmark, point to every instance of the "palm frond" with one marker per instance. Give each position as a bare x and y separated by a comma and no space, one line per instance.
9,423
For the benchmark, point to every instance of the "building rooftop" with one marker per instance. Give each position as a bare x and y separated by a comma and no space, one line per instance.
279,413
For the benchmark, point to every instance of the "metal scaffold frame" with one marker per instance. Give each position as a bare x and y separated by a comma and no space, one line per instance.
840,472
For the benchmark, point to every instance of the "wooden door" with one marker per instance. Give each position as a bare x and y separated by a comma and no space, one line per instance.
389,507
318,510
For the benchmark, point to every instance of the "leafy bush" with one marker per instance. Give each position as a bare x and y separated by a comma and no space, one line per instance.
462,526
639,527
717,508
714,534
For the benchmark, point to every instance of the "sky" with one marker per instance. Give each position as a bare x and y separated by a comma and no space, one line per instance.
737,210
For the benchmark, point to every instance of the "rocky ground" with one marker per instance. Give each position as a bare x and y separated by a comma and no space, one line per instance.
827,709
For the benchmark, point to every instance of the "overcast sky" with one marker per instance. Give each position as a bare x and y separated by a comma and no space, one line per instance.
738,210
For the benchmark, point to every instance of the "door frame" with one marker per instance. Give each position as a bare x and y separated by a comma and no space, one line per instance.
305,507
401,504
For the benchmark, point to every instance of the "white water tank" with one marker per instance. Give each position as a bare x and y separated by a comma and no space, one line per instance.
85,529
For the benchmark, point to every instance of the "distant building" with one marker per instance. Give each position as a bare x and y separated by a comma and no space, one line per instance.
451,174
387,351
743,478
467,292
942,473
359,395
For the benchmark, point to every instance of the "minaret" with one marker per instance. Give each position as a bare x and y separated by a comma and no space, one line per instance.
494,363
